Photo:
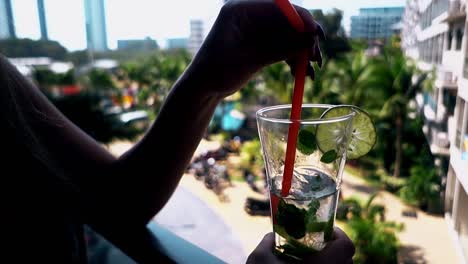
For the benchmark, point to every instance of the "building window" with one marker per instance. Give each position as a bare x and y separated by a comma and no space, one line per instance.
449,40
464,143
450,99
459,38
441,48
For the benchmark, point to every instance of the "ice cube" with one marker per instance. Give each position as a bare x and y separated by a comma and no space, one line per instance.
324,212
314,240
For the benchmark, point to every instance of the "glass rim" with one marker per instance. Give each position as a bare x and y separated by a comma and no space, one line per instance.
311,121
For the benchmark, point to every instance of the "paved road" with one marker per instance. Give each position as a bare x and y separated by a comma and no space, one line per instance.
190,218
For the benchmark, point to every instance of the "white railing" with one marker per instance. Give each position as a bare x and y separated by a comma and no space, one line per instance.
446,78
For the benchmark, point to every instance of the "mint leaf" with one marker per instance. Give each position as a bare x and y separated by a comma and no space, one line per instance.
313,207
292,219
313,226
306,142
328,232
329,156
311,219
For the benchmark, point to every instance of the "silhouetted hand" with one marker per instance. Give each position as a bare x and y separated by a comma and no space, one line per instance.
338,251
248,35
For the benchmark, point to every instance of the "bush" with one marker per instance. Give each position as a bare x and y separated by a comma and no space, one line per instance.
422,188
375,242
374,238
348,208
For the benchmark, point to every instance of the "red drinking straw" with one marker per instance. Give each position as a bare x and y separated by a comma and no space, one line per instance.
299,80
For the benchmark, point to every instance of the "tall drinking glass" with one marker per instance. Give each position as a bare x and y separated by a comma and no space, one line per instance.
303,220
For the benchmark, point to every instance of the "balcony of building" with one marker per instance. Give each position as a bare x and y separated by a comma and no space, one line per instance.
459,162
435,11
446,78
458,135
456,214
435,115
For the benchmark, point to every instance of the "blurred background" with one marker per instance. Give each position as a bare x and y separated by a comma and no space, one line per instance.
108,66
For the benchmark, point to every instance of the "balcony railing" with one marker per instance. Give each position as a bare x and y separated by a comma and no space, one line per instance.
446,78
438,139
152,244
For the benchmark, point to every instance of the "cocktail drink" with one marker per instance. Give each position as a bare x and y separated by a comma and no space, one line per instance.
303,219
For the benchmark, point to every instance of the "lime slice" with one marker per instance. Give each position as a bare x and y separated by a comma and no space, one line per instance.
329,136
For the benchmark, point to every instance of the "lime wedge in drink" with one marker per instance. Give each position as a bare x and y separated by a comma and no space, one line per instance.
330,135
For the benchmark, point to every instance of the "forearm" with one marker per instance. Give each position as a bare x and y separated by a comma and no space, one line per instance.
159,160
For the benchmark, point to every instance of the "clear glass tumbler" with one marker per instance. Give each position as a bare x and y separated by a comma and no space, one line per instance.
303,220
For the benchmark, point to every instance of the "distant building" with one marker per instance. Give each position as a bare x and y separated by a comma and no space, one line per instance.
137,44
376,23
196,36
177,43
42,19
96,34
7,25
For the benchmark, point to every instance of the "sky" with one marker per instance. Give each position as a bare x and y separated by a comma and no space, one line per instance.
137,19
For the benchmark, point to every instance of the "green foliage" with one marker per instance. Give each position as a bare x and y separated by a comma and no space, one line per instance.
15,48
306,142
348,209
251,154
292,223
155,74
46,78
100,79
329,156
423,186
374,238
279,81
292,219
375,242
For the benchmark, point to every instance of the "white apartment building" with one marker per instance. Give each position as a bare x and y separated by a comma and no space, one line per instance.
435,35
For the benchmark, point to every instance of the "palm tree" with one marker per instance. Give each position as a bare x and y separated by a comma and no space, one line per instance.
400,79
278,81
383,86
156,74
353,78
